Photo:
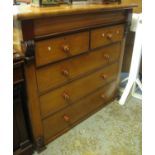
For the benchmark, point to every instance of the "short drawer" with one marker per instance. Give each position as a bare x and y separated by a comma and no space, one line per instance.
106,35
70,93
62,72
55,49
56,124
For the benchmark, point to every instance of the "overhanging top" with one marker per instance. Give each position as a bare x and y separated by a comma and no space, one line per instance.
27,12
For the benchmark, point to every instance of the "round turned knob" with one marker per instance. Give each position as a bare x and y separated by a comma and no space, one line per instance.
104,76
49,48
109,36
107,57
66,96
66,48
102,96
66,118
117,32
65,72
103,35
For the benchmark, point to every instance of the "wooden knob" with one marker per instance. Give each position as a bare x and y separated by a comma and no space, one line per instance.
66,96
103,35
117,32
49,48
66,48
104,76
109,36
65,72
66,118
107,57
102,96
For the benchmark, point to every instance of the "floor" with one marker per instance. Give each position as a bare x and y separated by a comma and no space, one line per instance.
114,130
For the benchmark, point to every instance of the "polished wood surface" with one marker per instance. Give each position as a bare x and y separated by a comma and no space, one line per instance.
61,47
70,23
70,93
54,125
137,9
54,75
29,12
105,36
33,101
65,61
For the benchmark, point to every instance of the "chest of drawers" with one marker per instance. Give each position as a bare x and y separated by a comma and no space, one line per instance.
73,59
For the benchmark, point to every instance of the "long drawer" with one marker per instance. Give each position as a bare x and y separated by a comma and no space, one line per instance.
62,24
58,48
106,35
68,94
54,125
60,73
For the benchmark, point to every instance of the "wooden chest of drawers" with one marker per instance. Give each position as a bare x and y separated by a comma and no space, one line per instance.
72,65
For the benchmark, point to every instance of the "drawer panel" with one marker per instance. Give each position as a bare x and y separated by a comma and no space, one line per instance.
68,94
54,125
63,24
55,49
64,71
106,35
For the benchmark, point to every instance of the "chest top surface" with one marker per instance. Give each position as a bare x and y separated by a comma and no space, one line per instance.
26,12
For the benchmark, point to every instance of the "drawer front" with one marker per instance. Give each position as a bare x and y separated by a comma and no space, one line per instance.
68,94
54,125
55,49
64,71
106,35
62,24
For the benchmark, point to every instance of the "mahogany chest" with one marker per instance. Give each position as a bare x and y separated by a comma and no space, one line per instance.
73,59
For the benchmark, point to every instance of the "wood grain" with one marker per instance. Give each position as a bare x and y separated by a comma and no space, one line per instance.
55,100
33,101
58,48
52,76
54,125
29,12
137,9
42,26
107,35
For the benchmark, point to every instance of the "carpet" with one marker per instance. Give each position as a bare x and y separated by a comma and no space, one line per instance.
114,130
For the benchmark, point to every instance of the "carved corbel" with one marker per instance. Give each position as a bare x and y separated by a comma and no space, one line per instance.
29,50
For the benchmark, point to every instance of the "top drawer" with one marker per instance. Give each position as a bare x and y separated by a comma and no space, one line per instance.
107,35
55,49
61,24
